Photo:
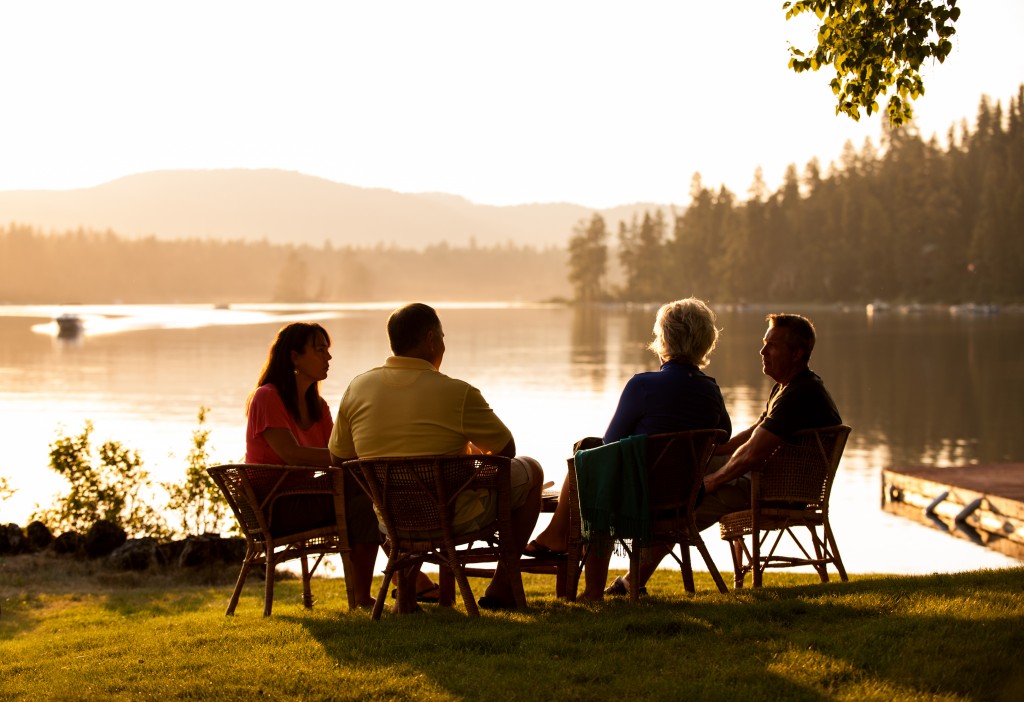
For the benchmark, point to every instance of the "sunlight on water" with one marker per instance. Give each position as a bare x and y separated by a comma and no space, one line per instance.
140,374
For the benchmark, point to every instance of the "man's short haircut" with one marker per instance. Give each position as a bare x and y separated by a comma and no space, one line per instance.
408,326
685,331
799,331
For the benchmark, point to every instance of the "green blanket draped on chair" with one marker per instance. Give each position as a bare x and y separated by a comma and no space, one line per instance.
612,482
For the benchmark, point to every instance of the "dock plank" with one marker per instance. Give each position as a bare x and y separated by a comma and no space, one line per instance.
995,479
984,503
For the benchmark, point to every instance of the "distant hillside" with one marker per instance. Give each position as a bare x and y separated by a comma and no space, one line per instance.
288,207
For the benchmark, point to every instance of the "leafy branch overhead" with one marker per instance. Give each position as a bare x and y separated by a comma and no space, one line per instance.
875,45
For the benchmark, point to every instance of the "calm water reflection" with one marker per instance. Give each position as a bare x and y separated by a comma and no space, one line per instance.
916,388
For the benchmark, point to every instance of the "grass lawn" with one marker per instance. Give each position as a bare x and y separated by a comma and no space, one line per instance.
70,631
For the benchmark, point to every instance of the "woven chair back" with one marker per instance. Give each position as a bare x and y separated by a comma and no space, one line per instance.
236,484
675,464
418,494
803,470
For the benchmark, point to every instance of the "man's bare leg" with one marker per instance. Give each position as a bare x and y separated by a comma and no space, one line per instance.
362,557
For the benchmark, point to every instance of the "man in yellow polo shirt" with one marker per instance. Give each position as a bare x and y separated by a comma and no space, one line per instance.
407,407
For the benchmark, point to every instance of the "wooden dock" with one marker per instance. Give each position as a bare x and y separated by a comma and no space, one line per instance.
984,503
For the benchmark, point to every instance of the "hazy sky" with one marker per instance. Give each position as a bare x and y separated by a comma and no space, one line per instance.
596,103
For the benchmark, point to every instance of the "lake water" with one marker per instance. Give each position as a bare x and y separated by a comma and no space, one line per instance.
918,387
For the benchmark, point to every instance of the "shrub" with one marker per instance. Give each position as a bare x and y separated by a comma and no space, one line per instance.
111,489
5,489
198,501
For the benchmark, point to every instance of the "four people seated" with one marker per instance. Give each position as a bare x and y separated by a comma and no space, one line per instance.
408,407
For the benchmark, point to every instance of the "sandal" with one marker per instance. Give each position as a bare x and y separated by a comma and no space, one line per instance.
428,595
539,550
620,588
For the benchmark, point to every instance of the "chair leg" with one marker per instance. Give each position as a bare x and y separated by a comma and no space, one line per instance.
242,575
739,572
467,592
560,579
830,541
268,597
389,571
307,592
576,555
515,577
755,557
686,567
820,554
712,568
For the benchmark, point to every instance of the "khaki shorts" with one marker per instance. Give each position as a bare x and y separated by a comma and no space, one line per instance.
520,477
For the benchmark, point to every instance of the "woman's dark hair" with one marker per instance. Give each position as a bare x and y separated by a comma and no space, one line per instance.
279,370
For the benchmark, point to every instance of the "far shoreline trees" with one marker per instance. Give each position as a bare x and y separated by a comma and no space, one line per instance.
909,222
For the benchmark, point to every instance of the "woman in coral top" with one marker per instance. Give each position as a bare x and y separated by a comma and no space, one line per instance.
289,423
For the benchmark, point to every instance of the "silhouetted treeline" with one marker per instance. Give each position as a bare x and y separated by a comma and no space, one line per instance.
912,221
101,267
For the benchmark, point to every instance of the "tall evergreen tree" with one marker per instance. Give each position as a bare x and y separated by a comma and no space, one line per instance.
641,253
588,259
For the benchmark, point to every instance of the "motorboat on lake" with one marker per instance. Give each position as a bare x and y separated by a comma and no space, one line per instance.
69,326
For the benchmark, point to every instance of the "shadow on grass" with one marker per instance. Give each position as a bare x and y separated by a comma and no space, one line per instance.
881,637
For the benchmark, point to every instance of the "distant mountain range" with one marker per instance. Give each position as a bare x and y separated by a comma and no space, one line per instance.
288,207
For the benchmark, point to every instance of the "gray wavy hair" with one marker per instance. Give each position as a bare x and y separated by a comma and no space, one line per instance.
685,331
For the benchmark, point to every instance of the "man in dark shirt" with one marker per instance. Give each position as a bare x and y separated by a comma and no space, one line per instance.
798,401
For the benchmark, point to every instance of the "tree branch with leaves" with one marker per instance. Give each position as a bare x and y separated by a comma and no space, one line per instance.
875,46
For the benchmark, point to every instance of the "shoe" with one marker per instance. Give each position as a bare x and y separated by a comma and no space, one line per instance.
428,595
620,588
494,604
538,550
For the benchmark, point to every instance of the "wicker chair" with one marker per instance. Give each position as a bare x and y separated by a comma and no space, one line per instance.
415,497
254,491
790,490
675,472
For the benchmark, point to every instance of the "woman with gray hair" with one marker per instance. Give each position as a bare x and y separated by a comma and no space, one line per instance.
677,397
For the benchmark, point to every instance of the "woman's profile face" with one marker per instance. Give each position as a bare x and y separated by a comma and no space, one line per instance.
315,359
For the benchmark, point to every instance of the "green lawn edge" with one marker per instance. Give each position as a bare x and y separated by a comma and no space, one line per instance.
72,631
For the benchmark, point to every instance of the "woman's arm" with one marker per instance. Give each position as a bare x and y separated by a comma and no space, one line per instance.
628,412
284,444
